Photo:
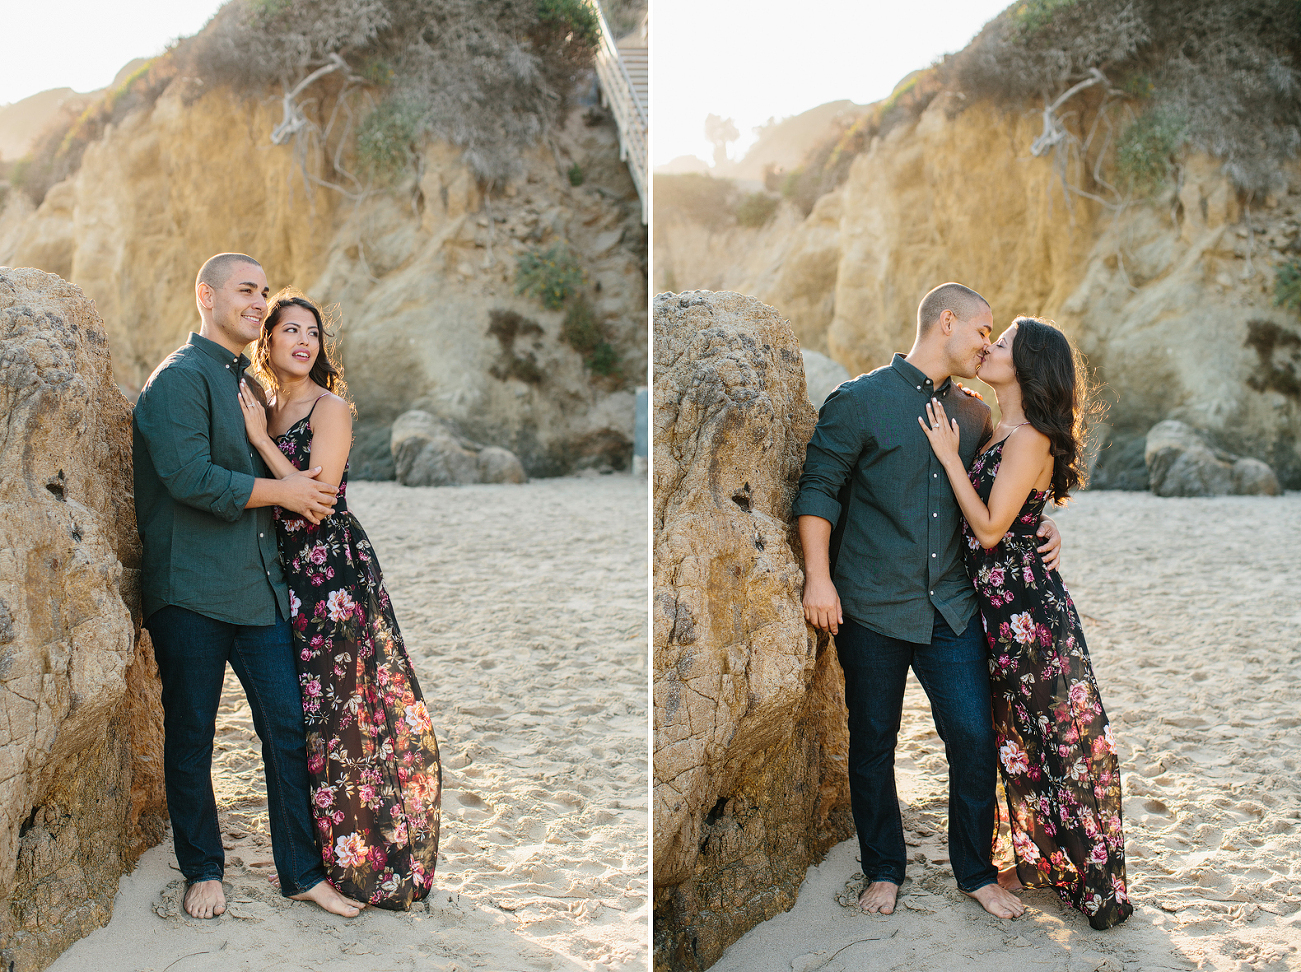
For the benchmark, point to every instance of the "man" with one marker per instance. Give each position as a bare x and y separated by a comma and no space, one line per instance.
901,596
214,591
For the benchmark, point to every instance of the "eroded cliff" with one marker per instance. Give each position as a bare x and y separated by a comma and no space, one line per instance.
1171,298
417,268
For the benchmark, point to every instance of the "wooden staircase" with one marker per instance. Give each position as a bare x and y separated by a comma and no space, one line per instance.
623,72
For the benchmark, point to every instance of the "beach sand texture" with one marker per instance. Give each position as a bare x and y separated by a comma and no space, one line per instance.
524,611
1193,621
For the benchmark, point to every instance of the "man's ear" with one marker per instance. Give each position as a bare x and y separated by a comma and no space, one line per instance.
946,320
205,294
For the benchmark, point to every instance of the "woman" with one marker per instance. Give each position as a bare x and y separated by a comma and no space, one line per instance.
376,781
1058,758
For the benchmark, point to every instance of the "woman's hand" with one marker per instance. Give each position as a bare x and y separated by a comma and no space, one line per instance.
255,417
941,431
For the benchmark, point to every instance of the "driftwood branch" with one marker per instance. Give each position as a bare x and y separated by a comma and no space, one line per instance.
294,120
1053,131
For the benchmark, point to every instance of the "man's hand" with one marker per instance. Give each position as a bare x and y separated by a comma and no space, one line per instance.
304,495
822,604
1051,551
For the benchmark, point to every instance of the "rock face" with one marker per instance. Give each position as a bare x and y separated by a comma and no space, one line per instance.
428,451
80,719
1180,462
1171,300
750,736
417,269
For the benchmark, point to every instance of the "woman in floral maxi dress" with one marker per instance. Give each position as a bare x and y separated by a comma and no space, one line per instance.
1057,755
372,756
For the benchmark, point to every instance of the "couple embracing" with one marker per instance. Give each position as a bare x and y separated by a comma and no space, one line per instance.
251,558
922,550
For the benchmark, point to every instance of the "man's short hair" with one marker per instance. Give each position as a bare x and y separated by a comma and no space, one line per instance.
218,269
964,302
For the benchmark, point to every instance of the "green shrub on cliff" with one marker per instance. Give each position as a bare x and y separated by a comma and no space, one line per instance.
1146,149
1287,285
552,276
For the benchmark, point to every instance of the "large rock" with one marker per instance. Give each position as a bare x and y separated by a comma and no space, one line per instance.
429,451
1182,462
80,720
750,737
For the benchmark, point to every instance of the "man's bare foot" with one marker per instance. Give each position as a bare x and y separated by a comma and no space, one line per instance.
1008,879
323,894
879,896
998,902
204,899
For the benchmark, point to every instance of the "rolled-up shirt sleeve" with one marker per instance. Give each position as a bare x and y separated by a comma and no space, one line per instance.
829,460
173,420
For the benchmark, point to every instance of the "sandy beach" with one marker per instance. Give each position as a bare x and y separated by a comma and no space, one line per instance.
524,611
1193,621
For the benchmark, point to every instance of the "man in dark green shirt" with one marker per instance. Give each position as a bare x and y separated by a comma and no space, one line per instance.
901,596
214,591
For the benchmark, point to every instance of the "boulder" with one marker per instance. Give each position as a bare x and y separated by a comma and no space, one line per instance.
1120,463
750,740
498,465
80,719
821,376
429,451
1251,477
1182,462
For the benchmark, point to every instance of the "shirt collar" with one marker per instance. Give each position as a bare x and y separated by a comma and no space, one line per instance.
216,351
916,377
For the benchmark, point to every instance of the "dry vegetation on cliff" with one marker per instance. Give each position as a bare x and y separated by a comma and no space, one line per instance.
493,80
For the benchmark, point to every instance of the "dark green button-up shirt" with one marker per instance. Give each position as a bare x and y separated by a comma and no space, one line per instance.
194,472
901,553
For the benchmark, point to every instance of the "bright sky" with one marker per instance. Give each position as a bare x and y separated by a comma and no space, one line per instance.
755,59
81,44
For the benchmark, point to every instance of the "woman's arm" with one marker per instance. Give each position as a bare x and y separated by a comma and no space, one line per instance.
255,424
1021,465
331,438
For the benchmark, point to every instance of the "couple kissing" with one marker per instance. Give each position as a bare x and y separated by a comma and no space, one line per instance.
922,550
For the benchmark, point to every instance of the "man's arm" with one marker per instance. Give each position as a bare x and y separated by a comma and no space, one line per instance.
828,461
174,422
821,602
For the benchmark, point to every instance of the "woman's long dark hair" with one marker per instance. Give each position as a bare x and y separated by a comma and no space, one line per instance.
1056,397
325,372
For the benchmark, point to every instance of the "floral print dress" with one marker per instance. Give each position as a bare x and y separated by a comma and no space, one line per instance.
1055,749
376,781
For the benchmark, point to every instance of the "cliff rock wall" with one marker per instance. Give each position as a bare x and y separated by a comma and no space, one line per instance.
1171,299
750,738
81,790
416,268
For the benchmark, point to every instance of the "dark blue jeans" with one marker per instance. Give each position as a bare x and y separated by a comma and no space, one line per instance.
192,652
955,674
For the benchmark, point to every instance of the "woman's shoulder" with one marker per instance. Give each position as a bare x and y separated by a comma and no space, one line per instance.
1026,438
330,405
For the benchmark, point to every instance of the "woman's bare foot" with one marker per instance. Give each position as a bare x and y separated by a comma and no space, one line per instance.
998,902
1008,880
879,896
323,894
204,899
